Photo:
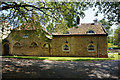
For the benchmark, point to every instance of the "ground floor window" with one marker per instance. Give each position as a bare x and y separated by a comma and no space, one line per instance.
17,44
91,48
66,48
33,44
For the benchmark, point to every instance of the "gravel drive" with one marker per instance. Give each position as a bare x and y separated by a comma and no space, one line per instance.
27,68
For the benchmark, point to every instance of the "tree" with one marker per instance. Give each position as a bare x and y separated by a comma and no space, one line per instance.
47,13
117,36
4,29
110,11
106,25
21,12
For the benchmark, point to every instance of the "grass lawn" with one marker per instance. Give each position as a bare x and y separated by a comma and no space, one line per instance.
60,58
114,55
111,56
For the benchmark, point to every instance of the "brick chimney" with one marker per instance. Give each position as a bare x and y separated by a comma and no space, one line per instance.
78,20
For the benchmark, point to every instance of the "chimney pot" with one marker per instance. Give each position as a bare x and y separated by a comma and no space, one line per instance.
95,21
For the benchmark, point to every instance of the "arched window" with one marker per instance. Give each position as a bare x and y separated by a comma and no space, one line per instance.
91,48
46,45
90,32
66,48
33,44
17,44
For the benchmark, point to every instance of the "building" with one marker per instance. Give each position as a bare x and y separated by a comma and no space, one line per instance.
85,40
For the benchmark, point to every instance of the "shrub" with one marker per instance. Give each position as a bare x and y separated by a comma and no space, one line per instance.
109,51
118,53
111,56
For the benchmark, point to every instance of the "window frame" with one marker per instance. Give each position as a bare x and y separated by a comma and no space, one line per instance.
65,50
91,50
15,45
88,32
48,45
33,45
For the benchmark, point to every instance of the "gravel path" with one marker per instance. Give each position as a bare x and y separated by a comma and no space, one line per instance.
26,68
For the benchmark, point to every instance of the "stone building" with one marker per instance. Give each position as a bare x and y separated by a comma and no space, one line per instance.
84,40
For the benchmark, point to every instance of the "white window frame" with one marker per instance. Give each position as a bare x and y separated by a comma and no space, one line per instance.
91,50
65,50
90,33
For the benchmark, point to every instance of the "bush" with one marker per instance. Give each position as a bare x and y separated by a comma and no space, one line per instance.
109,51
111,56
118,53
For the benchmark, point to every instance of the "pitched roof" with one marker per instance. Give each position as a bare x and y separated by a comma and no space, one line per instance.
83,28
27,26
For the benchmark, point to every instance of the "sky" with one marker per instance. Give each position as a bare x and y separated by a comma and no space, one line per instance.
89,17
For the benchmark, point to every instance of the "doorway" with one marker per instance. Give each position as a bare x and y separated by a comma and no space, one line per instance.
6,49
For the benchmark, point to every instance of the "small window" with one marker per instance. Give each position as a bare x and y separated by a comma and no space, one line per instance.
17,44
66,32
33,44
66,48
25,36
91,48
90,32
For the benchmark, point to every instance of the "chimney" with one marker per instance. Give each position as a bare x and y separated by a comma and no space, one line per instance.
95,21
78,20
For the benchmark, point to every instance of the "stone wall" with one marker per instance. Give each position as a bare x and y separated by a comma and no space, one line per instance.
79,46
25,47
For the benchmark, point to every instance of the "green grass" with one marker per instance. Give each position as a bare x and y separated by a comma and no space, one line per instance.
60,58
115,56
111,56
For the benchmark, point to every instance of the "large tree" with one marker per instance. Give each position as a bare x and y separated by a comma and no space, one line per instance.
46,14
49,13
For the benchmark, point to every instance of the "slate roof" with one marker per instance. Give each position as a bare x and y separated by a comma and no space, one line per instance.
83,28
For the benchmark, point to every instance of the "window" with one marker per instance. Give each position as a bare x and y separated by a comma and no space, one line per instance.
90,32
25,36
33,44
17,44
66,32
46,45
66,48
91,48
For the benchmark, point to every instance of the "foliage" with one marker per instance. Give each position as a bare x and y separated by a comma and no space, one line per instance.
5,40
48,14
118,53
117,36
107,26
59,58
43,12
4,29
115,56
110,11
109,51
109,45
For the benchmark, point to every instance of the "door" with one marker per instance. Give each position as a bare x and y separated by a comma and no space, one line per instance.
6,49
